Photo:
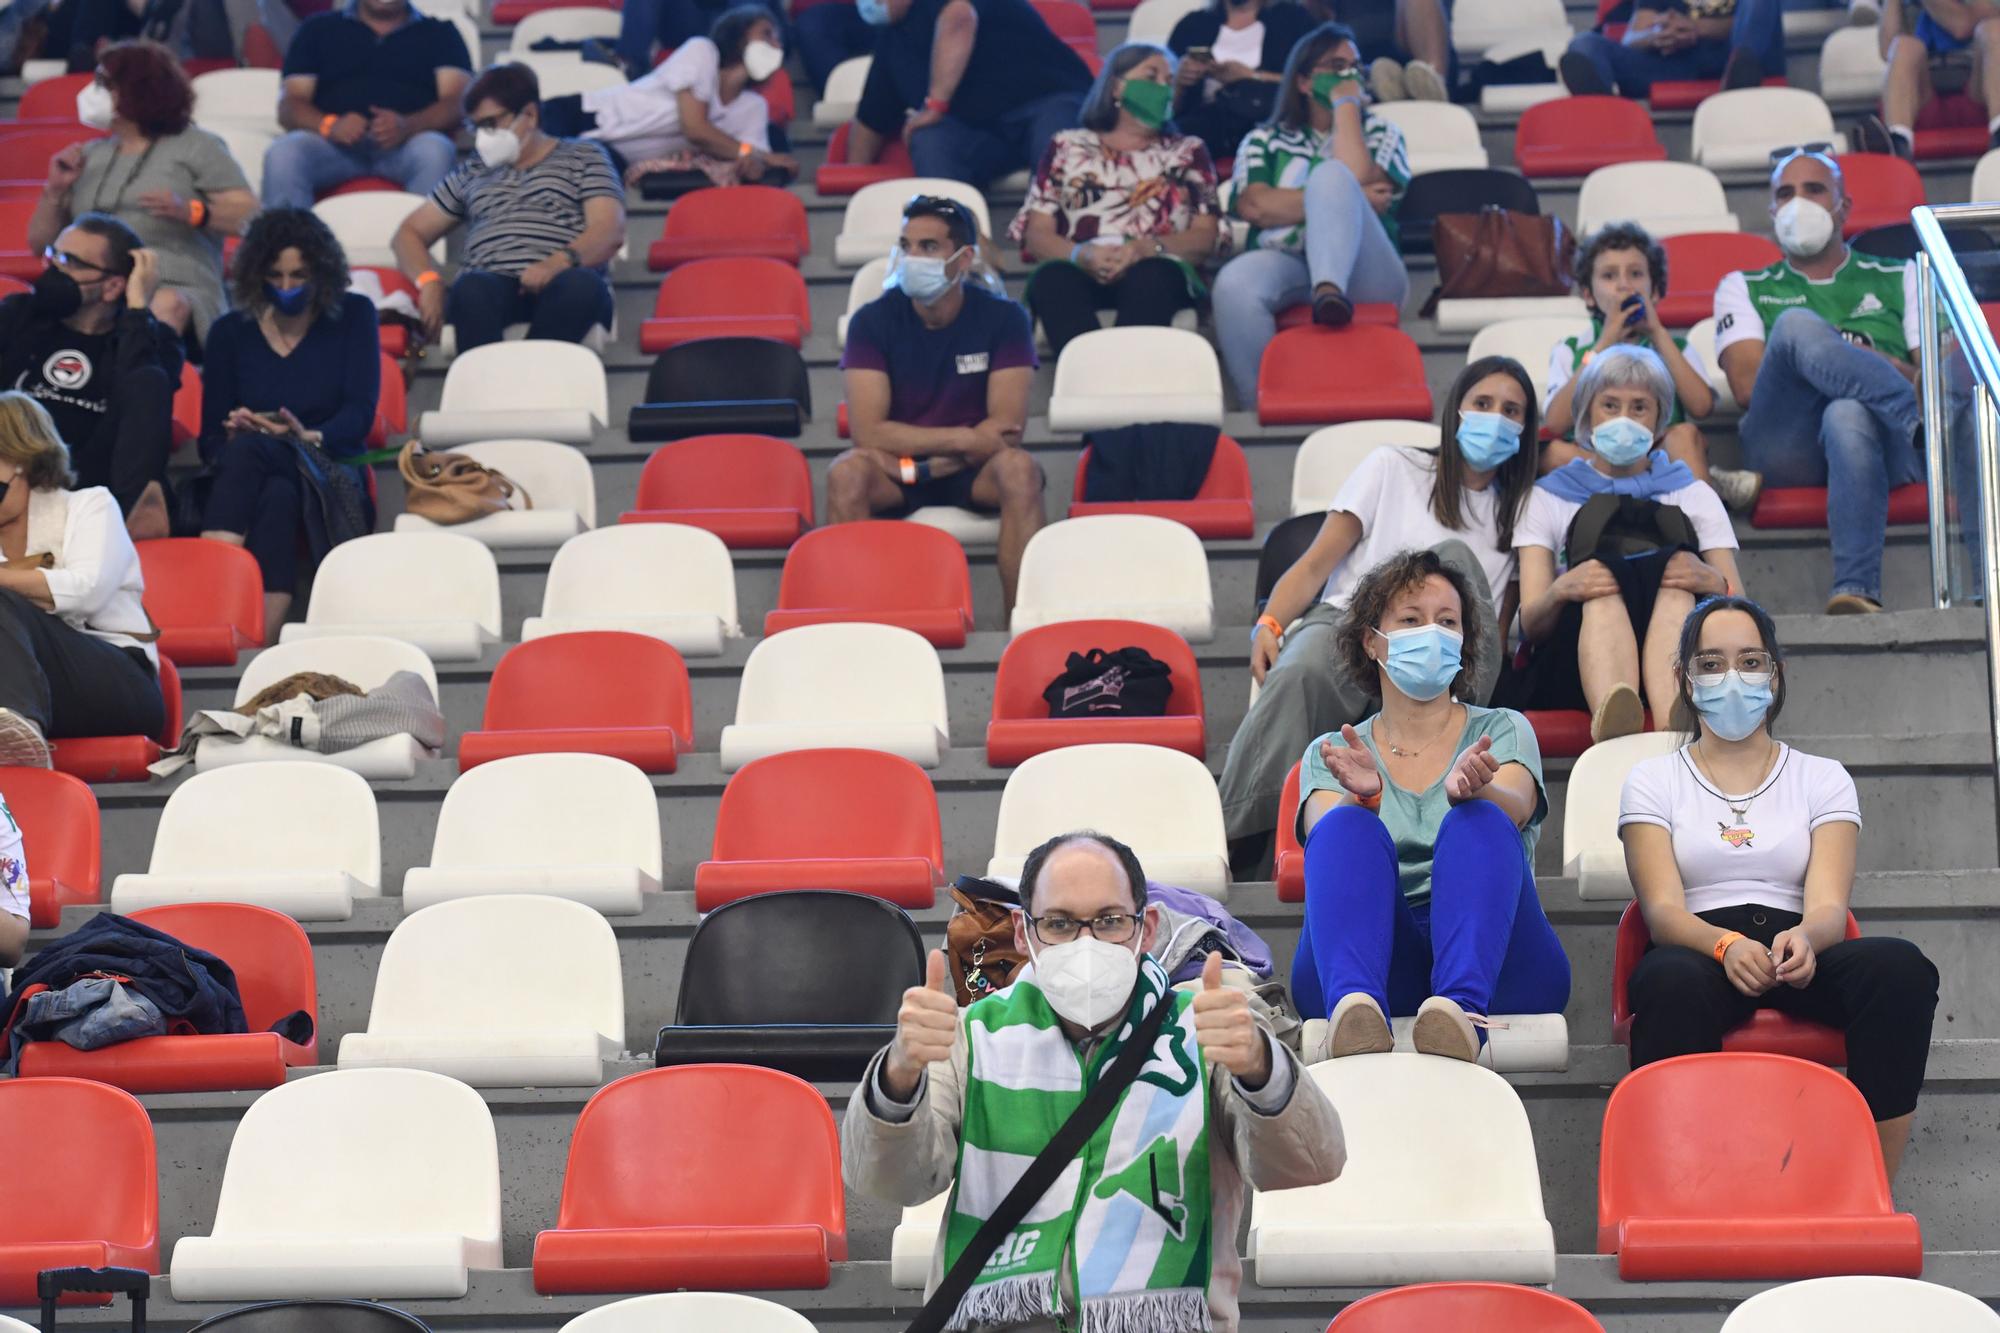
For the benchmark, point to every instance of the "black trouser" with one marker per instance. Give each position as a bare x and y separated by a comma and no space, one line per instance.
1066,298
69,683
256,492
1879,990
128,450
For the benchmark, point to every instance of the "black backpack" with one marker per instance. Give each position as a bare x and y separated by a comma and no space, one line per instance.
1612,527
1126,682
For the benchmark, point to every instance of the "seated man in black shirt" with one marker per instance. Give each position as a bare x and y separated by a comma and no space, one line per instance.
85,346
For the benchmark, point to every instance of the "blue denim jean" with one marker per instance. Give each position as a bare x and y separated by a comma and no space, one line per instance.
1633,70
1825,412
1481,942
979,154
827,34
301,164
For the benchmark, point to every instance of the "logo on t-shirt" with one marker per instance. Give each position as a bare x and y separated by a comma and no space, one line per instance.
973,363
67,369
1870,304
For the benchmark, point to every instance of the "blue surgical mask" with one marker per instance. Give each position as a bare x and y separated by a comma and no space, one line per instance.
1487,439
923,278
1621,440
288,300
1423,660
875,13
1732,706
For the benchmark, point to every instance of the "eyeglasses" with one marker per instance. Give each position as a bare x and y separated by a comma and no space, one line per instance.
492,122
66,261
1060,928
1780,156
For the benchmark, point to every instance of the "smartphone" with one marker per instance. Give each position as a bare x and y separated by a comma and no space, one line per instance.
1201,53
1635,304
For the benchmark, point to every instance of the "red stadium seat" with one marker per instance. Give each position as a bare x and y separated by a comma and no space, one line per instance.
57,815
590,692
261,49
187,406
206,598
729,298
53,99
1687,94
731,221
25,151
882,571
1736,1166
359,185
273,962
1884,189
1316,376
1805,506
1768,1030
392,406
836,175
1385,313
394,333
13,286
1953,126
750,490
510,12
779,97
1574,136
82,1183
1290,866
1564,733
17,260
871,826
1222,509
1022,728
1699,261
1072,22
123,758
749,1198
1488,1307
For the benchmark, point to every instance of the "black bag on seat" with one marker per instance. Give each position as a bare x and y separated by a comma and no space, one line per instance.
1283,545
807,981
1125,682
1612,527
721,386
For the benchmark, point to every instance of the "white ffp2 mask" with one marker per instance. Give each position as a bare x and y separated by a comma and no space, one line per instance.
1086,980
1803,227
761,60
497,148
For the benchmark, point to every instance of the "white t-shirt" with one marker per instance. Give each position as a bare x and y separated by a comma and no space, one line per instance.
1563,368
1390,492
13,866
642,119
1547,519
1760,859
1243,45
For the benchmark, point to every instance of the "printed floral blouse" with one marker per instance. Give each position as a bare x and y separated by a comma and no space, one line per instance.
1092,191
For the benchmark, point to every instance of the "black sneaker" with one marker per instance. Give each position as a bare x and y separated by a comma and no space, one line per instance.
1744,70
1871,135
1581,77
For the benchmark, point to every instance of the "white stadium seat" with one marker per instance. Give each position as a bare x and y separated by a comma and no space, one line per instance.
1593,853
245,99
1528,341
869,282
1514,98
302,839
365,222
1154,20
1666,198
364,661
1439,136
915,1238
1118,567
533,388
841,97
1440,1184
690,1312
874,217
1125,376
1160,802
247,146
1470,314
1813,22
666,580
1861,1305
585,827
437,590
1330,454
1739,128
867,687
971,527
556,501
565,73
1477,26
1851,67
573,24
558,1016
381,1184
1986,179
1701,340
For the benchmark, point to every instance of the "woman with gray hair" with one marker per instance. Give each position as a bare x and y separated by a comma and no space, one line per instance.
1124,211
1615,549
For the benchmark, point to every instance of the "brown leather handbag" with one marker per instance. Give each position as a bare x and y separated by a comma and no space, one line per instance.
979,939
1499,253
451,488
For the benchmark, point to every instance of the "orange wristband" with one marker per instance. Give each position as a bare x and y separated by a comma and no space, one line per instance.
197,213
326,124
909,470
427,277
745,148
1722,945
1272,623
1368,802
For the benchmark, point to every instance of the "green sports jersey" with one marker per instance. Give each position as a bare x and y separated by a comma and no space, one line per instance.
1867,299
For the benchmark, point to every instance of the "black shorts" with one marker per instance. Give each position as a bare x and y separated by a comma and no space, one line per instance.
954,492
1551,679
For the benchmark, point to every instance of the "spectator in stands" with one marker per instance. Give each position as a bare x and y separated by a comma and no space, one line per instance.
1950,47
1605,586
1123,212
1414,34
935,1093
85,345
828,32
1419,827
937,371
76,651
1740,42
1757,918
371,89
299,358
544,217
1232,58
1461,502
1622,273
973,92
14,901
174,184
700,107
643,24
1819,350
1319,185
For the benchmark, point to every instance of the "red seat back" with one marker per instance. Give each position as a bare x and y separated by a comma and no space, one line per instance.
1699,261
1316,375
193,583
865,805
268,951
1573,136
736,286
1037,656
57,816
740,210
1228,475
261,49
25,152
82,1169
877,565
1290,862
392,405
750,1147
53,99
1884,189
727,472
1489,1307
14,215
187,405
590,679
1070,21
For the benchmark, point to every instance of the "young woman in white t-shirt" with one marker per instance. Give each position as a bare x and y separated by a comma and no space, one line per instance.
1599,628
1461,501
1742,850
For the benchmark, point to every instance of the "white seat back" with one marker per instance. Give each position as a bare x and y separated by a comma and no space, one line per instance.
1986,179
1125,376
1739,128
1592,849
555,476
531,375
366,660
1160,802
365,223
1861,1305
1528,341
1154,20
854,673
1123,566
556,810
869,282
248,147
874,216
1479,25
565,73
238,99
1330,454
387,577
1666,198
1851,67
574,24
642,569
1439,136
841,97
468,27
690,1312
1701,341
274,817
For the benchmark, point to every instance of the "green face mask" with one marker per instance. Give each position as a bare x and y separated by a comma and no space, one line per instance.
1327,86
1147,101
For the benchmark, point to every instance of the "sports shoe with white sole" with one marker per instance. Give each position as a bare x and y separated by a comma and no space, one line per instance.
1738,487
1442,1028
1385,80
21,742
1422,83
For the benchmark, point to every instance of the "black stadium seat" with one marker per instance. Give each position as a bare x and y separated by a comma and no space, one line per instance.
1465,190
807,981
314,1317
724,385
1283,545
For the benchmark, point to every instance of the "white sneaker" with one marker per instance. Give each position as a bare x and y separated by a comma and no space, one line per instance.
1739,488
1385,80
1422,83
21,742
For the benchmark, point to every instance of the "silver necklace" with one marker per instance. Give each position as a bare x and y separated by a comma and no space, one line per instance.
1736,831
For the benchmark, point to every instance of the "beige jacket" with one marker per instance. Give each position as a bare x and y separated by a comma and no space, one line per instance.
913,1161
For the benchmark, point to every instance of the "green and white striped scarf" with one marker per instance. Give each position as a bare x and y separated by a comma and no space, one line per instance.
1126,1226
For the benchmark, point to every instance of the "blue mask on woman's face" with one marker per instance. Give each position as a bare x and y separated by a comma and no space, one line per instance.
288,300
1732,705
1621,440
1423,660
1487,439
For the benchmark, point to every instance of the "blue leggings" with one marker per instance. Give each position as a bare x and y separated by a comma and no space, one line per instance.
1482,942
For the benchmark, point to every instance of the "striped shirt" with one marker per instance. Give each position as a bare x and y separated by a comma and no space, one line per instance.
515,218
1283,158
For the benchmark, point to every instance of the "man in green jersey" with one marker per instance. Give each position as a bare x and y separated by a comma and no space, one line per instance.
1818,350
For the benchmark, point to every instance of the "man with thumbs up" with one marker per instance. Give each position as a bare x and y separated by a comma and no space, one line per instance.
1139,1229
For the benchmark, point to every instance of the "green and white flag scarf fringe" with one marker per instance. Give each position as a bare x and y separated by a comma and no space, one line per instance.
1130,1217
